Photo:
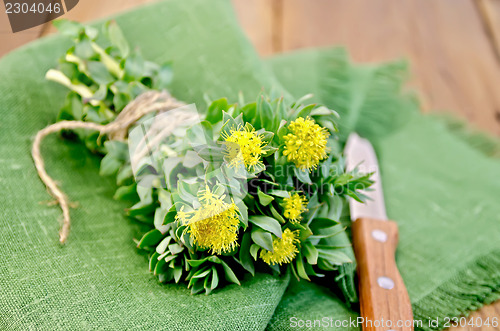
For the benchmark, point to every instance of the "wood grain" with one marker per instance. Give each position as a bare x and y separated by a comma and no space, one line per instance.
10,41
451,56
89,10
476,319
490,14
376,259
257,17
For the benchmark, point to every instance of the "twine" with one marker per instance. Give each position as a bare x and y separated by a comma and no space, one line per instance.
145,103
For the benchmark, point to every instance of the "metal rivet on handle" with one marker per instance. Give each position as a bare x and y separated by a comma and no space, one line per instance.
385,283
379,235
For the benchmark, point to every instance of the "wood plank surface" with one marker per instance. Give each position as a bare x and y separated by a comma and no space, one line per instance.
88,10
452,60
453,46
487,312
490,12
9,40
257,17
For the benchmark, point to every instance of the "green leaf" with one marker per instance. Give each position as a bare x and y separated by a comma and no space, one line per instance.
200,134
300,101
267,223
202,273
244,253
84,49
266,114
169,166
254,250
229,124
162,246
325,227
68,28
279,193
170,216
198,286
214,111
121,100
185,191
282,131
306,110
116,37
243,211
262,238
323,111
124,193
249,112
228,272
213,154
267,137
277,215
294,271
334,256
124,174
109,165
164,77
214,259
118,149
305,232
153,260
151,238
177,274
207,286
99,73
310,252
335,205
303,176
300,267
175,249
159,266
264,199
215,278
197,263
134,67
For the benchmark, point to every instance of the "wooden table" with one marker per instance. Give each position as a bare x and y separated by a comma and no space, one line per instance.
453,45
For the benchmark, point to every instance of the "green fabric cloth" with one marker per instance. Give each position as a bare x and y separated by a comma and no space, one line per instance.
442,191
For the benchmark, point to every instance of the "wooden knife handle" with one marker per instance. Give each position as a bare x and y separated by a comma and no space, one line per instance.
383,295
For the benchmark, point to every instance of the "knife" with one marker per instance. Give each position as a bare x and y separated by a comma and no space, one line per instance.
384,301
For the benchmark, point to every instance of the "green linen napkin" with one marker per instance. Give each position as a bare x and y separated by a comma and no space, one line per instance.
439,189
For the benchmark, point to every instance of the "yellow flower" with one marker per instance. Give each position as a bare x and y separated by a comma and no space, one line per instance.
294,206
284,249
214,225
306,144
244,146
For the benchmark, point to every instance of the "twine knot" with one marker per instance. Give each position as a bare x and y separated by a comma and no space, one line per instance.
147,102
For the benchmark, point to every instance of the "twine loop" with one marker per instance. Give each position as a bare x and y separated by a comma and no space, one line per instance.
147,102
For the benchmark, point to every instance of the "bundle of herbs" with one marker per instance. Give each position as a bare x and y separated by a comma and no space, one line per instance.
237,188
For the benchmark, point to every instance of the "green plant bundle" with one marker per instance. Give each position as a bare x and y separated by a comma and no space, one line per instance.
248,187
103,74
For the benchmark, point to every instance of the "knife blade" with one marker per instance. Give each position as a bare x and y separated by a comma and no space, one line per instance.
384,301
360,155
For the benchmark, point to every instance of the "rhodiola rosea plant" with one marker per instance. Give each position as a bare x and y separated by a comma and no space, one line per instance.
238,188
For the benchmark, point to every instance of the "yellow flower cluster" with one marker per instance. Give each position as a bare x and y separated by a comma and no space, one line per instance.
244,146
284,249
306,144
294,206
214,225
